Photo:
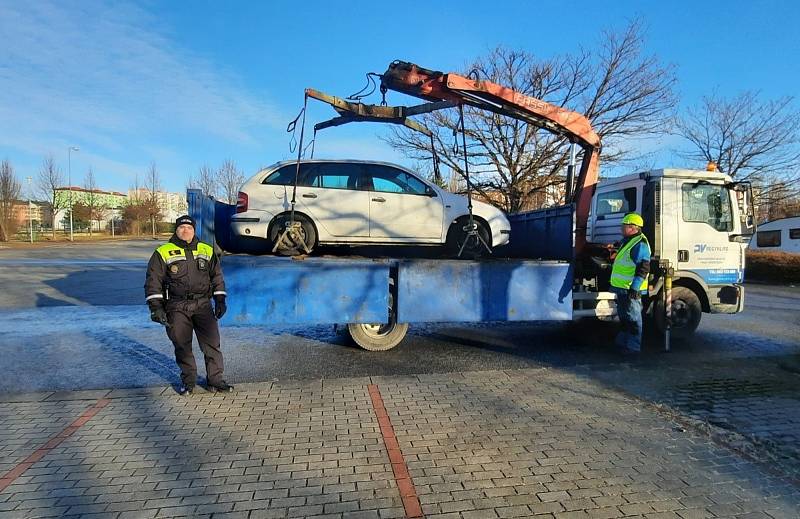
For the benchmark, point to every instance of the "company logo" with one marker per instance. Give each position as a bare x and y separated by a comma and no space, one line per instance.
704,247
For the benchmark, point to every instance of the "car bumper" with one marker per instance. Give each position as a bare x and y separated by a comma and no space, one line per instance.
500,237
501,231
251,224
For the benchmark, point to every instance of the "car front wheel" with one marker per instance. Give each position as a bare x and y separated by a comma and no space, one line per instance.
474,248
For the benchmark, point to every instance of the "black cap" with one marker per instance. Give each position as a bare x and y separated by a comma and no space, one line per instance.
184,220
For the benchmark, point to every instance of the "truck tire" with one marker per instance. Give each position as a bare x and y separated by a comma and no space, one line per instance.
378,337
307,231
456,236
686,313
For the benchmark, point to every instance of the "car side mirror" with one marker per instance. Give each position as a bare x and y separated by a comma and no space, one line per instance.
429,191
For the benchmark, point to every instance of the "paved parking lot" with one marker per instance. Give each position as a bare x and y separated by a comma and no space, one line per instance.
501,420
486,444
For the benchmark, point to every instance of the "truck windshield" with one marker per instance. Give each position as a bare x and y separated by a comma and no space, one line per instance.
707,203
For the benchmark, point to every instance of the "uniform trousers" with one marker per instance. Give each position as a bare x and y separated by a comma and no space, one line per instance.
195,316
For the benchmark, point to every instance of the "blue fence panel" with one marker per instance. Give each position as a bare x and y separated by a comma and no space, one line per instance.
270,290
201,208
222,225
471,291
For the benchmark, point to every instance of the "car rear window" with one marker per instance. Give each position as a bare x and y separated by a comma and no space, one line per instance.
283,176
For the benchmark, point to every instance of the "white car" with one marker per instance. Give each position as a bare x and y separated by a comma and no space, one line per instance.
350,202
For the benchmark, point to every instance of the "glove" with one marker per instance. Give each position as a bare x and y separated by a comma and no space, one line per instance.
634,294
157,313
219,306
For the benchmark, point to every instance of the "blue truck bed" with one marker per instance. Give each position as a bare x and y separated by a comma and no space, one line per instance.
533,281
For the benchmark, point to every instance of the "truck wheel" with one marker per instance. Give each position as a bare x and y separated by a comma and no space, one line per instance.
378,337
290,247
473,250
686,313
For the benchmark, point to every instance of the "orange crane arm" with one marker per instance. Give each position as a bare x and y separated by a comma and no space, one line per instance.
432,85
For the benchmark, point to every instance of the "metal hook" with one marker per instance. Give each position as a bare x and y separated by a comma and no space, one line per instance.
292,127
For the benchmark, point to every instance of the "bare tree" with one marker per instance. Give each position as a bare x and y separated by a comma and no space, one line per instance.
780,201
134,210
94,202
231,179
10,189
206,181
49,183
623,92
749,139
152,199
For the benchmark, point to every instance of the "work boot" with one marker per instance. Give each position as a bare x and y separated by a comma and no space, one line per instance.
185,390
220,387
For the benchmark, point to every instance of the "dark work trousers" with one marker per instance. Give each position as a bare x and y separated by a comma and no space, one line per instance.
629,312
198,316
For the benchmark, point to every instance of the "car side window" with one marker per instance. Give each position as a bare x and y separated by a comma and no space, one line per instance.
333,175
283,176
391,180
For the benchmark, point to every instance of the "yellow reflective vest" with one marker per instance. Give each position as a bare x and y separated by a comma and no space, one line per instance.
624,269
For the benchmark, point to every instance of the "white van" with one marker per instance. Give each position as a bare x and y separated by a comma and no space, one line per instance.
778,235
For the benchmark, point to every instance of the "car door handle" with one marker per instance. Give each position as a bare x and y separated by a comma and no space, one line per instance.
309,195
378,199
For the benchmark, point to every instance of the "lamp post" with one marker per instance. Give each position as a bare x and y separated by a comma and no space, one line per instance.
69,181
30,207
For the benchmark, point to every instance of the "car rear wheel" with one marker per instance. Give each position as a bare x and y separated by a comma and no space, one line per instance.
291,243
474,249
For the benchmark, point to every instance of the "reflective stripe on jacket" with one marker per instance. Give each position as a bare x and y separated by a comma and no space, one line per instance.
624,269
171,253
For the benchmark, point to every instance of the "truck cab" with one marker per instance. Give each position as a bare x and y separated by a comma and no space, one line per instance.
698,221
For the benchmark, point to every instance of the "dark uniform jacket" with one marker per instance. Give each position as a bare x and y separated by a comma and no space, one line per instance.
178,271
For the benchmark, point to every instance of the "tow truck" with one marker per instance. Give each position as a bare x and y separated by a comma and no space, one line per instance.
557,265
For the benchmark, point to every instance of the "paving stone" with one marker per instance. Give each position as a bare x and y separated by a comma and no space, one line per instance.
495,444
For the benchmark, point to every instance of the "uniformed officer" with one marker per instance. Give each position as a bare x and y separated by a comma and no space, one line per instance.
629,281
182,277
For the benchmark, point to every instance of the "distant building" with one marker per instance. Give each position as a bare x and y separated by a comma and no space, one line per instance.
172,205
112,201
547,196
109,199
25,212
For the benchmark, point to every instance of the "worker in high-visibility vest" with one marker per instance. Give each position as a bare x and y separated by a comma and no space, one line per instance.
629,281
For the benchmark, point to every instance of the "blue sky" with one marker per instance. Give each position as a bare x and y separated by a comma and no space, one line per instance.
184,84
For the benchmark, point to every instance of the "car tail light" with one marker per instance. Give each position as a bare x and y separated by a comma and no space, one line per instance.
241,202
